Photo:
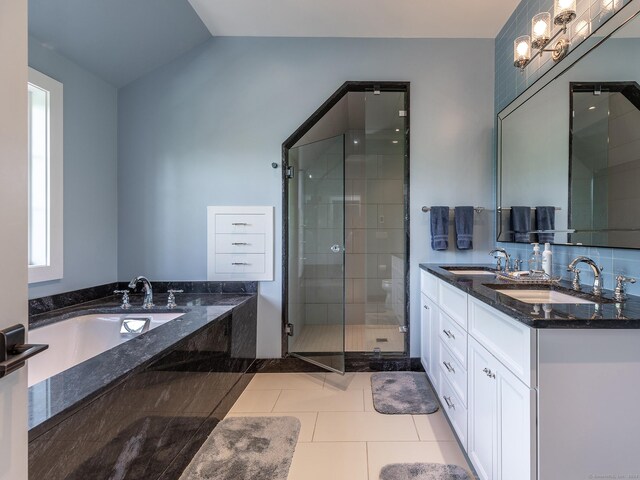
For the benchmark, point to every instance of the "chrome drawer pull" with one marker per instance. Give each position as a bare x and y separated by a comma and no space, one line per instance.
239,243
449,334
489,373
449,402
426,307
237,224
449,368
240,263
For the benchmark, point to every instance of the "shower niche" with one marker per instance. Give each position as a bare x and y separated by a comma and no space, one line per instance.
345,174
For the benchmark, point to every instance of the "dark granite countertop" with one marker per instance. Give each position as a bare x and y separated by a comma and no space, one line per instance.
52,400
607,313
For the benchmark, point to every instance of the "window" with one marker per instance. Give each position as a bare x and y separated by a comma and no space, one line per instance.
45,178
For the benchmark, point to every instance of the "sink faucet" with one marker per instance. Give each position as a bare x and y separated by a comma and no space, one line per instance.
597,274
496,254
148,291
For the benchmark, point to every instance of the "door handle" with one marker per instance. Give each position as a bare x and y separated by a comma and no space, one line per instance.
336,248
13,351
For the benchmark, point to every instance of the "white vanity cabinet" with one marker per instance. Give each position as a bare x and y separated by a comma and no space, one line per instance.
482,375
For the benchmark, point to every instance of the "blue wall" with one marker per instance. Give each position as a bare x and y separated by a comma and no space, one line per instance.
204,130
90,174
509,83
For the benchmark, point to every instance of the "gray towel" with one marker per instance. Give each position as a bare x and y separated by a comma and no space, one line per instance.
521,224
545,220
439,228
464,227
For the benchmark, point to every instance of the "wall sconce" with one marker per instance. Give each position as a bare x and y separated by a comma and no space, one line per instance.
581,30
564,13
608,8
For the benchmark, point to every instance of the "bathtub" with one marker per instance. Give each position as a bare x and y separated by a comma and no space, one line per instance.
77,339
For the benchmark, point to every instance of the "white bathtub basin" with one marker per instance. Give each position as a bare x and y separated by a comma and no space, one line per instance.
78,339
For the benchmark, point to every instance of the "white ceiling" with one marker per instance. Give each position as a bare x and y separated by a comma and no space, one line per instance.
355,18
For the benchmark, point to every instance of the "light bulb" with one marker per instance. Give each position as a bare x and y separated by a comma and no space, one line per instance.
564,3
522,49
540,27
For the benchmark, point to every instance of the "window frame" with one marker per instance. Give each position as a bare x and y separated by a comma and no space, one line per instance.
54,269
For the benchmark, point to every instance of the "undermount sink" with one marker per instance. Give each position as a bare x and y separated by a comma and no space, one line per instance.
542,296
470,271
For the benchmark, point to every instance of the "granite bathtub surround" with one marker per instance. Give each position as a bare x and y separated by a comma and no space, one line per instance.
67,299
606,314
143,409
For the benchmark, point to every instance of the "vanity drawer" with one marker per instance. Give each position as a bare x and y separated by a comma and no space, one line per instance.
240,263
238,223
454,302
429,285
453,371
239,243
453,408
511,342
454,337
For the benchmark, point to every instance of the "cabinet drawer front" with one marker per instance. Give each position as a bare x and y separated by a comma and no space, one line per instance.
454,337
429,285
453,371
241,263
238,223
511,342
454,409
453,302
239,243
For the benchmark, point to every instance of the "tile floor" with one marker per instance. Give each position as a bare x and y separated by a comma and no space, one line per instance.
342,436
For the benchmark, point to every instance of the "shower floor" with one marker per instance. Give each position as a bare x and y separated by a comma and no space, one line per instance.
358,338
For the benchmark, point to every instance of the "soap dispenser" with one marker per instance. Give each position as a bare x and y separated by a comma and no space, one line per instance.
535,262
547,259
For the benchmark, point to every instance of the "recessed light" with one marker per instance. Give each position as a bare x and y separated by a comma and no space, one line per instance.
355,142
395,141
310,176
592,107
397,129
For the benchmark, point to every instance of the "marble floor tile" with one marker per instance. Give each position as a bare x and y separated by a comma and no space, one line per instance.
287,381
256,401
348,381
433,428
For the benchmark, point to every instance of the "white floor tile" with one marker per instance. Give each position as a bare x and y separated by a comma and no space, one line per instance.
329,461
384,453
348,381
433,427
257,401
320,401
307,421
287,381
363,426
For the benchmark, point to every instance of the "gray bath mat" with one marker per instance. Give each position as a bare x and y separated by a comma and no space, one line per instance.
423,471
406,393
246,448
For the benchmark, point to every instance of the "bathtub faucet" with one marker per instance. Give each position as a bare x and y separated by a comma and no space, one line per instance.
148,291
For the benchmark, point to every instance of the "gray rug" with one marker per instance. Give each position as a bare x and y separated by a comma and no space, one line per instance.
423,471
406,393
246,448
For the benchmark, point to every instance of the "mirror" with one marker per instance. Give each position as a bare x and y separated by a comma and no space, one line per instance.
569,155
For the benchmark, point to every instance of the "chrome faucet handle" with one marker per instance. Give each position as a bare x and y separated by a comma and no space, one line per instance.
125,298
620,293
498,263
171,301
517,264
575,283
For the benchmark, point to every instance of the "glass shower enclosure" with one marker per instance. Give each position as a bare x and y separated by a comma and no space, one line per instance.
346,229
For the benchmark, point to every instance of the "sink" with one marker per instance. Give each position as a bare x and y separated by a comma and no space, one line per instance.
542,296
470,270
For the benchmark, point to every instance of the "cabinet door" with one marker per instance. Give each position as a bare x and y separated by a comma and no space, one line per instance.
428,317
482,434
516,424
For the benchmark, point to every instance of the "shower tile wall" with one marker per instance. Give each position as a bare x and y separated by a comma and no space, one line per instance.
374,231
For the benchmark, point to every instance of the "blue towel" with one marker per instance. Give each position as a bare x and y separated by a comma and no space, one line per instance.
546,220
521,224
464,227
439,228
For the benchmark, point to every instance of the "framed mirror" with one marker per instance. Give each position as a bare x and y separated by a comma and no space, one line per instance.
569,149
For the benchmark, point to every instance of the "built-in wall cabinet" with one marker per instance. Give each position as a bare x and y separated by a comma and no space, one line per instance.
529,403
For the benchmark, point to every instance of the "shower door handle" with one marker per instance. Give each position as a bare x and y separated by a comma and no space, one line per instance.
336,248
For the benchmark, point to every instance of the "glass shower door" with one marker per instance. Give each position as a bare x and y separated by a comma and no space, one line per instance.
316,281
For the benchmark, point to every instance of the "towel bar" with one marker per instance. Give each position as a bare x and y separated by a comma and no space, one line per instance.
477,209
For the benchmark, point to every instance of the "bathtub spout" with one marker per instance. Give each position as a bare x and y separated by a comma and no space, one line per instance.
148,290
